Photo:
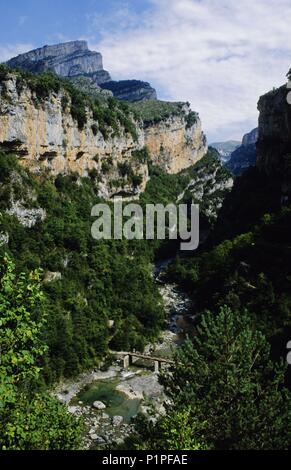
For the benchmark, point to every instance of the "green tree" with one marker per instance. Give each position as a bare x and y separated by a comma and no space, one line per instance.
173,431
29,418
235,393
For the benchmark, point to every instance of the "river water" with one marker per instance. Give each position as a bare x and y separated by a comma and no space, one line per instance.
125,393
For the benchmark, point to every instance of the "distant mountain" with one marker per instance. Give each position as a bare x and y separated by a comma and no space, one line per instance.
74,59
225,149
245,155
131,90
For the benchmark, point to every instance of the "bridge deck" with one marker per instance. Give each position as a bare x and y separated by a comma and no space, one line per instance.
144,356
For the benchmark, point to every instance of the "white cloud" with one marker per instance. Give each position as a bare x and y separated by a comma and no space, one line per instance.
12,50
218,54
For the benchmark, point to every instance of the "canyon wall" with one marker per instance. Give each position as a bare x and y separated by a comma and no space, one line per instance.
46,138
274,140
173,144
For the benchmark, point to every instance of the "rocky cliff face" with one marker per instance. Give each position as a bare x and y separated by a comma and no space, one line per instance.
131,90
46,138
250,138
174,145
245,155
74,59
67,60
274,142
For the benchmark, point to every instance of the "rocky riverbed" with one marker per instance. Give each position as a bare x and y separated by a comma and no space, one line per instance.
124,393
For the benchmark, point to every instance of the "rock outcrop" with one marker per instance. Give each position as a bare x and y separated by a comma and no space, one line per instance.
74,59
67,60
208,187
251,138
47,138
131,90
173,145
274,141
245,155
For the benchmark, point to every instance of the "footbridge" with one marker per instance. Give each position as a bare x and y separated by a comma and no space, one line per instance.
129,357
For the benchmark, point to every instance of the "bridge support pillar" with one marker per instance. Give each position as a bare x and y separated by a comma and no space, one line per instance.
157,366
126,362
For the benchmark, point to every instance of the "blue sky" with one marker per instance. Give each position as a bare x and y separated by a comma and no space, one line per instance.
220,55
45,21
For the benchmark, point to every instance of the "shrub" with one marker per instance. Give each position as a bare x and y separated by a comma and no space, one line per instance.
142,156
42,85
93,174
7,164
124,169
65,102
3,72
191,119
94,128
107,165
136,180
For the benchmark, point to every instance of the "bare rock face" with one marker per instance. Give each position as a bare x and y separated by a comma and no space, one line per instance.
47,139
250,138
225,149
74,59
131,90
274,140
174,145
244,156
67,60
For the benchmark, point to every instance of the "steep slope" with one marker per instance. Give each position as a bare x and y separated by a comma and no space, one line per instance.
53,127
172,132
130,90
46,223
67,60
74,59
244,156
274,143
246,261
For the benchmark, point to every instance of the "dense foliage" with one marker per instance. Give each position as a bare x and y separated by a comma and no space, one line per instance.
227,387
225,391
85,280
29,418
154,111
250,269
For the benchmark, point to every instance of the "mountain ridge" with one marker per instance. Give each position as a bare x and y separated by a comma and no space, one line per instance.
75,59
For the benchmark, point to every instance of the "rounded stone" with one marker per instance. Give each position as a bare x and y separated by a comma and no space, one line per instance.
99,405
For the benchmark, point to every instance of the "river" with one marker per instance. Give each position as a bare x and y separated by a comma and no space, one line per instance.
124,393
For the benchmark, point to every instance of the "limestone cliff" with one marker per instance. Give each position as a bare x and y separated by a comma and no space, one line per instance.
67,60
75,59
46,137
173,144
